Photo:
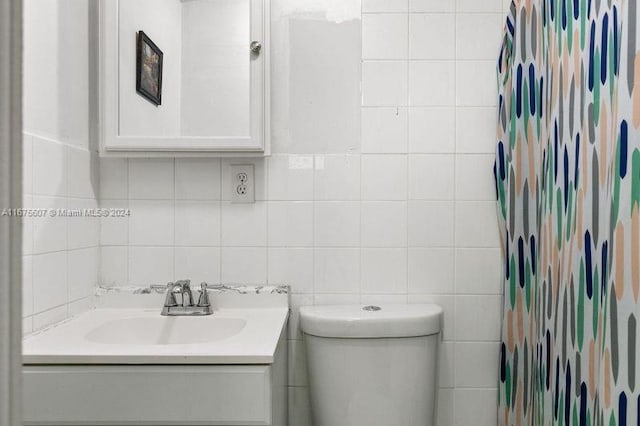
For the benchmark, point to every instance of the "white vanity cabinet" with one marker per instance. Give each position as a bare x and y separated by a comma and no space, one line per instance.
176,395
196,85
134,367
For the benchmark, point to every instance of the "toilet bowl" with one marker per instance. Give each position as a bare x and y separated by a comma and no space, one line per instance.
372,366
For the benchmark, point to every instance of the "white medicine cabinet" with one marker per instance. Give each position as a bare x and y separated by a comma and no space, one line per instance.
183,77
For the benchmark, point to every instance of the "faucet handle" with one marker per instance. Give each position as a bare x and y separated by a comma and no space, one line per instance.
170,299
203,300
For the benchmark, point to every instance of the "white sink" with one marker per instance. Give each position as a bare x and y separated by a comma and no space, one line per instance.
143,336
165,330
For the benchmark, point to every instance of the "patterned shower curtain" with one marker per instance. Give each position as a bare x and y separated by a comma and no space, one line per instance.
568,183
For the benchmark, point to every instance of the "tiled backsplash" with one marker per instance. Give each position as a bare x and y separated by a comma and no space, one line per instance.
376,234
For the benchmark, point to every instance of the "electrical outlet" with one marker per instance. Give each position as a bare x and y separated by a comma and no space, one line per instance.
242,183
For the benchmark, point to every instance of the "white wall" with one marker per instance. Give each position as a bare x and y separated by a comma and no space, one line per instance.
161,21
60,162
380,188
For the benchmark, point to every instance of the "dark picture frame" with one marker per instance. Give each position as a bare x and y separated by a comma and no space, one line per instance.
148,69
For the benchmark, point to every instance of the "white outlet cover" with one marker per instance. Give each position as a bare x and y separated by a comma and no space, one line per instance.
242,183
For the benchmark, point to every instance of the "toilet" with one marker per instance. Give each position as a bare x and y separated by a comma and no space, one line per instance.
372,365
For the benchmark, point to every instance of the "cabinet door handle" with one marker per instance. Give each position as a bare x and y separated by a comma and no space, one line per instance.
255,47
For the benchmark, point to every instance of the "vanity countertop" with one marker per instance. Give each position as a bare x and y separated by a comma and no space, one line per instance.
234,334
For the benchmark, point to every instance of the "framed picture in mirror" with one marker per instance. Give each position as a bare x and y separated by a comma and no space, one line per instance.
148,69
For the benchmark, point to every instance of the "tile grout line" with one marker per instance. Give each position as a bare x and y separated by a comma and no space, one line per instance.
267,205
362,61
313,233
128,194
173,245
455,161
66,227
219,222
33,235
408,149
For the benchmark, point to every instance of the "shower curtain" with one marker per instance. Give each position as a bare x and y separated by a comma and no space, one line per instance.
568,183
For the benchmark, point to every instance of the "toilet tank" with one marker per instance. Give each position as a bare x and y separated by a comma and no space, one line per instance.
372,367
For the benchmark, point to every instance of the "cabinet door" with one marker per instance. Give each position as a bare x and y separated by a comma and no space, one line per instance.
147,395
184,77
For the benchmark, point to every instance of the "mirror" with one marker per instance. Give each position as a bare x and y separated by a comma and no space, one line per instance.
189,75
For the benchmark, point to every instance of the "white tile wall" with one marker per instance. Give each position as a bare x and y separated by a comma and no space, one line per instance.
405,215
61,254
402,213
427,216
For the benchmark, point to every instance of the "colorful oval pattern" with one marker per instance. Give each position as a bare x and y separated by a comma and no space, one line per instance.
568,187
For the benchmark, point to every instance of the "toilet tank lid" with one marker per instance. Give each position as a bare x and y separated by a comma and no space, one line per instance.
360,322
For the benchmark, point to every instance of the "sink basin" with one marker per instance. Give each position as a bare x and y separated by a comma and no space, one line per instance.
143,336
165,330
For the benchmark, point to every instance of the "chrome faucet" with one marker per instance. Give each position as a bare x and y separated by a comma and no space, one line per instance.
186,306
